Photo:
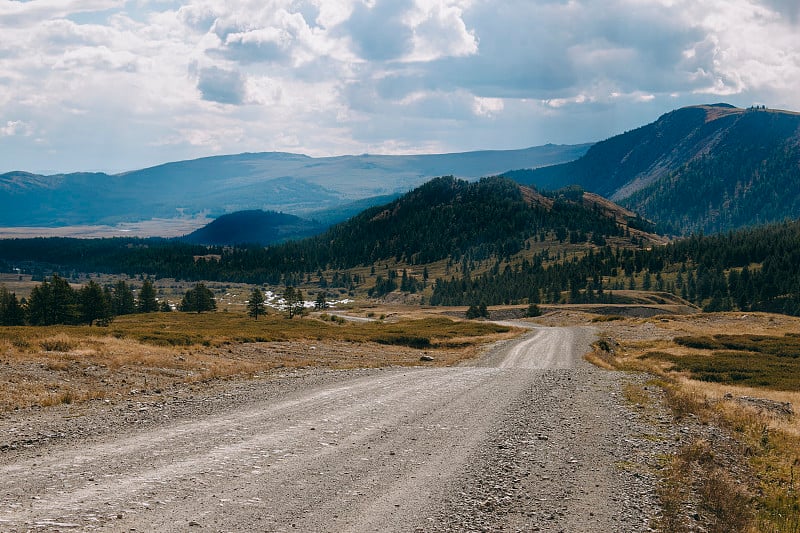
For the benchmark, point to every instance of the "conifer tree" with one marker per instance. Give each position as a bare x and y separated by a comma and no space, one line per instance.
198,300
147,298
255,305
93,304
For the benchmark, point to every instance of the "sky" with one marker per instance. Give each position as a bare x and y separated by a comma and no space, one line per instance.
115,85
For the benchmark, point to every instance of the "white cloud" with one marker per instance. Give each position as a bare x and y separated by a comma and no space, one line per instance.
114,83
439,31
19,13
487,107
16,127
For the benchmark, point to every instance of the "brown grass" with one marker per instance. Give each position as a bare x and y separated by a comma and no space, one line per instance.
747,483
42,366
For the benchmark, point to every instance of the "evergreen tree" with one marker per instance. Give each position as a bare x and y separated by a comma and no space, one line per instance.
198,300
533,311
11,312
255,306
322,302
53,302
147,298
93,304
294,302
122,301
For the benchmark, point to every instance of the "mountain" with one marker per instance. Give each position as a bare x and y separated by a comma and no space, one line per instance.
704,168
449,217
444,219
290,183
253,227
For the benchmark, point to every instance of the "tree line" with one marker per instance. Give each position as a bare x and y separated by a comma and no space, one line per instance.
753,269
54,301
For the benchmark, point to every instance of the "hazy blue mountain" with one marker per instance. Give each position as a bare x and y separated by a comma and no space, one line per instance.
703,168
290,183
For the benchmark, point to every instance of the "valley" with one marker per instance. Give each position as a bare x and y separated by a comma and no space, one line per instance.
507,429
501,352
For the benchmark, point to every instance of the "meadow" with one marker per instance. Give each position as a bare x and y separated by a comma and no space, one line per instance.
157,352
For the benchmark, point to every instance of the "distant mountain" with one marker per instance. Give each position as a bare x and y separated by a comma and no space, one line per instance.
253,227
333,215
492,219
705,168
290,183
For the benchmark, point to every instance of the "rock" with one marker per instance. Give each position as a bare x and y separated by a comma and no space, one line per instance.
426,358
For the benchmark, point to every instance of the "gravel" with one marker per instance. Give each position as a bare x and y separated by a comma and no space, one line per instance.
548,443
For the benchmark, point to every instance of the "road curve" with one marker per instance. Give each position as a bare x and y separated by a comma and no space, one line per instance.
535,432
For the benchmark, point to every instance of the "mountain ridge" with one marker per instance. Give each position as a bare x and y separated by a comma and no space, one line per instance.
278,181
676,171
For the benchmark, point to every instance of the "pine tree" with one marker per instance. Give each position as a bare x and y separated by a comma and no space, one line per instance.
322,302
11,312
198,300
93,304
53,302
294,302
255,306
147,298
122,301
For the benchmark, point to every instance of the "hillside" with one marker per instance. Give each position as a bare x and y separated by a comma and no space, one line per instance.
253,227
290,183
448,217
751,269
703,168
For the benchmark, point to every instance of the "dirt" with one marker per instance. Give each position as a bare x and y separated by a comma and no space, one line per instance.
528,438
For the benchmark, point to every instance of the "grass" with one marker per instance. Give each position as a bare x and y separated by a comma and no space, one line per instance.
215,329
43,366
708,365
771,362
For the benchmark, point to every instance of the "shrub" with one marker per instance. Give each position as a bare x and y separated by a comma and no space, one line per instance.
61,343
412,341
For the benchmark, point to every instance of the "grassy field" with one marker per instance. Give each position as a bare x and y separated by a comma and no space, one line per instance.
150,354
736,371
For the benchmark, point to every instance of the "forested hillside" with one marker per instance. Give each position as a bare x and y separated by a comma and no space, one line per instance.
748,179
749,270
488,242
704,168
253,227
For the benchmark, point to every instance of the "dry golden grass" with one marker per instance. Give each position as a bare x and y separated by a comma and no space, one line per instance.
753,488
154,353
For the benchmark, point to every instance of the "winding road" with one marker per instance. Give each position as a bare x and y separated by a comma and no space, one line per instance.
530,437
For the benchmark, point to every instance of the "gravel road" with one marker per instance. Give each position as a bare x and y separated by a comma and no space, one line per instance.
530,438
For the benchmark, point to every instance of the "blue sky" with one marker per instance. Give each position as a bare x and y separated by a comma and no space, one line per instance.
115,85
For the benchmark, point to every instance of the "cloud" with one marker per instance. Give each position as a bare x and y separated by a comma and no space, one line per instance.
16,127
19,13
186,77
222,86
379,31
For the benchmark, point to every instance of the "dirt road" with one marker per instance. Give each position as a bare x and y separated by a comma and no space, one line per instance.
531,438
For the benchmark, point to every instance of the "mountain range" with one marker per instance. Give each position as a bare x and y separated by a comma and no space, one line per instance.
328,188
705,168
